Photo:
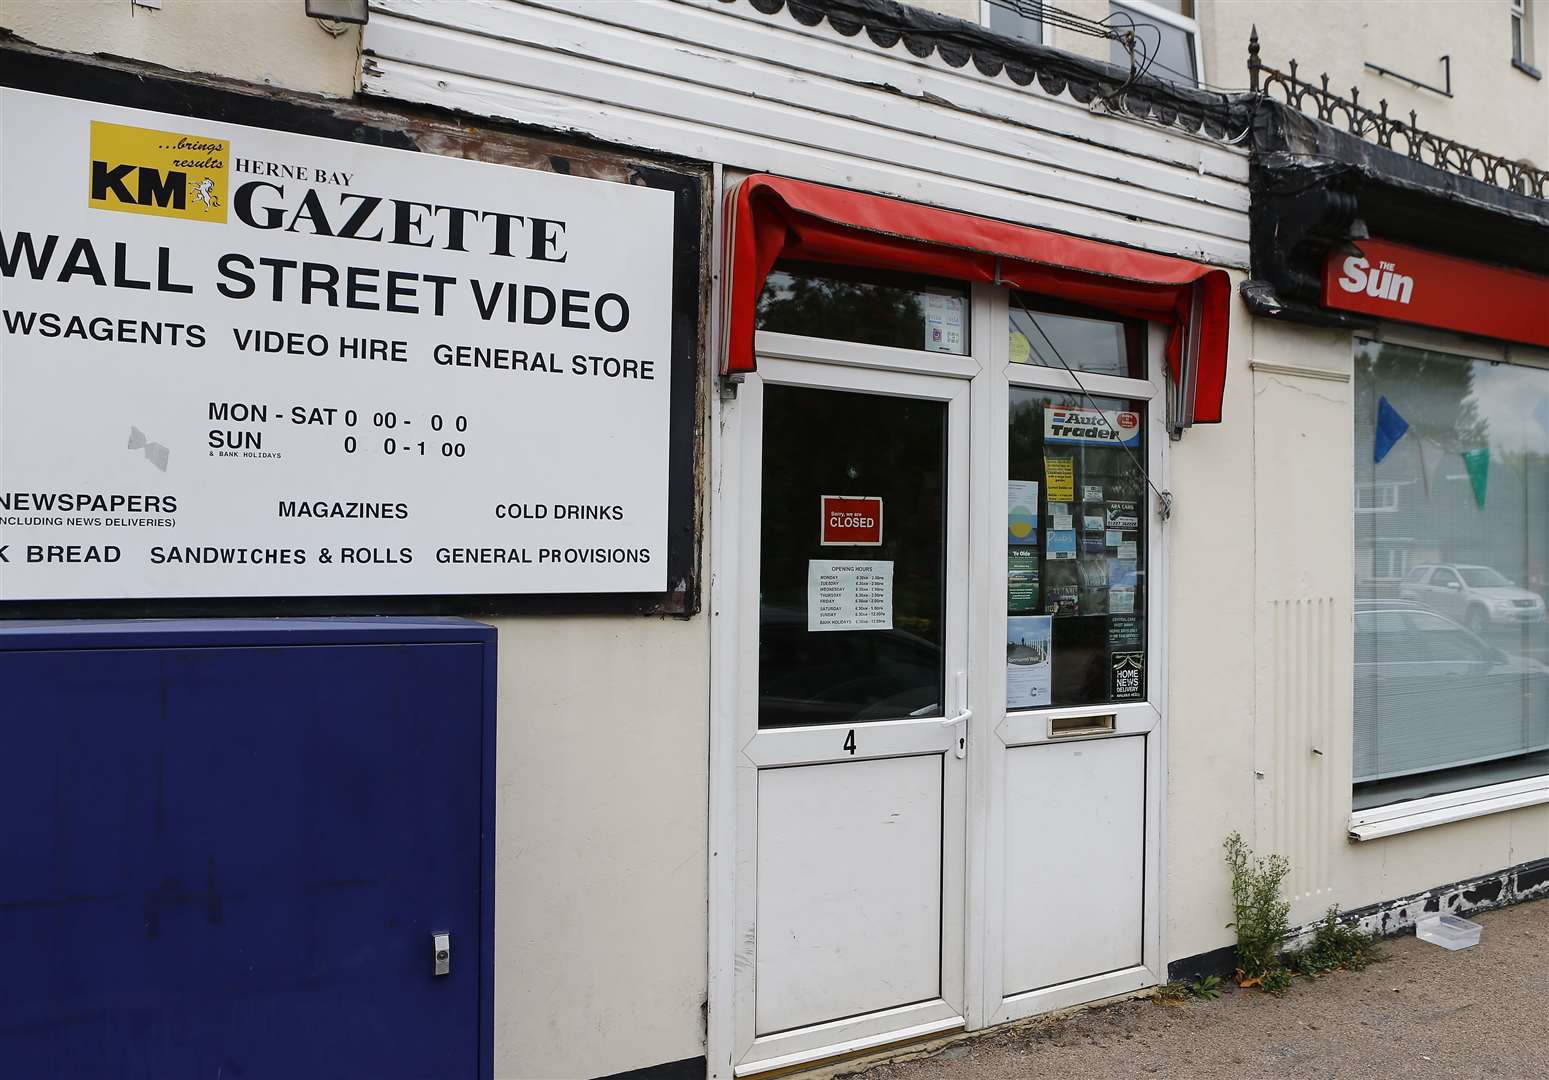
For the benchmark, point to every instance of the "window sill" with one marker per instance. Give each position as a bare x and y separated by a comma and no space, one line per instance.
1527,69
1380,821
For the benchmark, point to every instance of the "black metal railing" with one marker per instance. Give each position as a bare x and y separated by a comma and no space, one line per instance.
1375,125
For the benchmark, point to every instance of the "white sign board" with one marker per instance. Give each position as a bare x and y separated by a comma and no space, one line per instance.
849,595
239,362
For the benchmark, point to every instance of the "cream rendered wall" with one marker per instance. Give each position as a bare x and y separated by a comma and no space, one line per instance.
1495,107
602,739
271,42
1210,701
600,867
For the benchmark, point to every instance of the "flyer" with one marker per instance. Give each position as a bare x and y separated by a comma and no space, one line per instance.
1022,581
1060,474
1063,600
1092,523
1092,542
1062,522
1115,538
1029,652
1059,508
849,595
1062,544
1127,550
943,323
1124,633
1121,599
1121,572
1128,676
1022,512
1123,515
1092,493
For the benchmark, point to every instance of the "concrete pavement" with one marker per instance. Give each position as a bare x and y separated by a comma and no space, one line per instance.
1421,1014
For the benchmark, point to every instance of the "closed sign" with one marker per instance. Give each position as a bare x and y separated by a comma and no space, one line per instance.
851,521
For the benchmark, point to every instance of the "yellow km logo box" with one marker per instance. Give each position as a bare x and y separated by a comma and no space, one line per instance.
141,171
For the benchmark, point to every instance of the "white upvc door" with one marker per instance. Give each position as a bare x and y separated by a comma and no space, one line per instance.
1066,844
850,784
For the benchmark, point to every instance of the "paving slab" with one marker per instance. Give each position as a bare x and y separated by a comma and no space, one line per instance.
1419,1014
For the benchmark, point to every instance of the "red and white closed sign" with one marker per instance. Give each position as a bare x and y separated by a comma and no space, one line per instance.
851,521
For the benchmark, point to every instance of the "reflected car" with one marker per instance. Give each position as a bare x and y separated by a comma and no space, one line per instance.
1479,597
1430,694
842,676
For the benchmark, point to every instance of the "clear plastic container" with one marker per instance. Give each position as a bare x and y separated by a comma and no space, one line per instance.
1448,931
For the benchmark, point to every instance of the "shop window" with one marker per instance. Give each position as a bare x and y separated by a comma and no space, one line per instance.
1166,38
1076,589
1451,641
1081,339
1021,19
904,311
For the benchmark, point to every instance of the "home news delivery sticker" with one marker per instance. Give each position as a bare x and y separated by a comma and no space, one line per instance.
851,521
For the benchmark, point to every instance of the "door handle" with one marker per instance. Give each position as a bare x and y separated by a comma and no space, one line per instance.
960,722
441,953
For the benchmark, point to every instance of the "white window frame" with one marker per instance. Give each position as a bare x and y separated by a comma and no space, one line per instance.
987,6
1386,506
1189,24
1522,39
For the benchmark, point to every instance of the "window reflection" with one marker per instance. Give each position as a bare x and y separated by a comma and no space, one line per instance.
1074,338
1452,571
872,307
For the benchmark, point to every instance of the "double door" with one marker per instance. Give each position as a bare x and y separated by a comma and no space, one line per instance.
915,850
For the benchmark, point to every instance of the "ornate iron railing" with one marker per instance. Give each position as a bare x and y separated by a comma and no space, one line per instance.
1384,130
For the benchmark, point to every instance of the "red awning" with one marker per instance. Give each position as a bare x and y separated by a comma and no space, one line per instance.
770,218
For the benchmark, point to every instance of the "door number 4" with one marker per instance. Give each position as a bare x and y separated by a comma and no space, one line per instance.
849,743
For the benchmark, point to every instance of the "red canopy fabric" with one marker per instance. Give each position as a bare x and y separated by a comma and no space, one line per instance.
770,218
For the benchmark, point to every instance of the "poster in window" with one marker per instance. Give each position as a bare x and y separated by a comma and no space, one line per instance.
1127,677
1022,581
1062,544
1063,600
1123,514
1060,474
1124,633
1022,512
1029,652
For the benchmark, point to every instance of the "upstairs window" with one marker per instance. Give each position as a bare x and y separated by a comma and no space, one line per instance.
1166,38
1522,35
1020,19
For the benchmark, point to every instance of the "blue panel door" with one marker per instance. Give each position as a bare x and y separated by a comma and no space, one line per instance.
229,862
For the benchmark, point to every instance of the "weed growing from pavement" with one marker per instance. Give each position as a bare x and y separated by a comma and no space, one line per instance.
1207,988
1334,946
1259,915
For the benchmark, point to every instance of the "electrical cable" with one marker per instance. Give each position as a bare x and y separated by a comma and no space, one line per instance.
1164,499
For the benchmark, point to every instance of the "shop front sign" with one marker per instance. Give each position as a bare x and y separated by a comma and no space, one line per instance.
243,363
1395,281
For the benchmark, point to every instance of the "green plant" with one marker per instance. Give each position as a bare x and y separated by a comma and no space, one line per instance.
1334,946
1171,993
1259,915
1208,987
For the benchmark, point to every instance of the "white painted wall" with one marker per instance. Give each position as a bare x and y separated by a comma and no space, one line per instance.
270,42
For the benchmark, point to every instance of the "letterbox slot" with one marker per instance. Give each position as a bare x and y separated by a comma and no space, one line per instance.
1063,727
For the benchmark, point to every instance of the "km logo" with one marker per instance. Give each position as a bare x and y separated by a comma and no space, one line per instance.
141,171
